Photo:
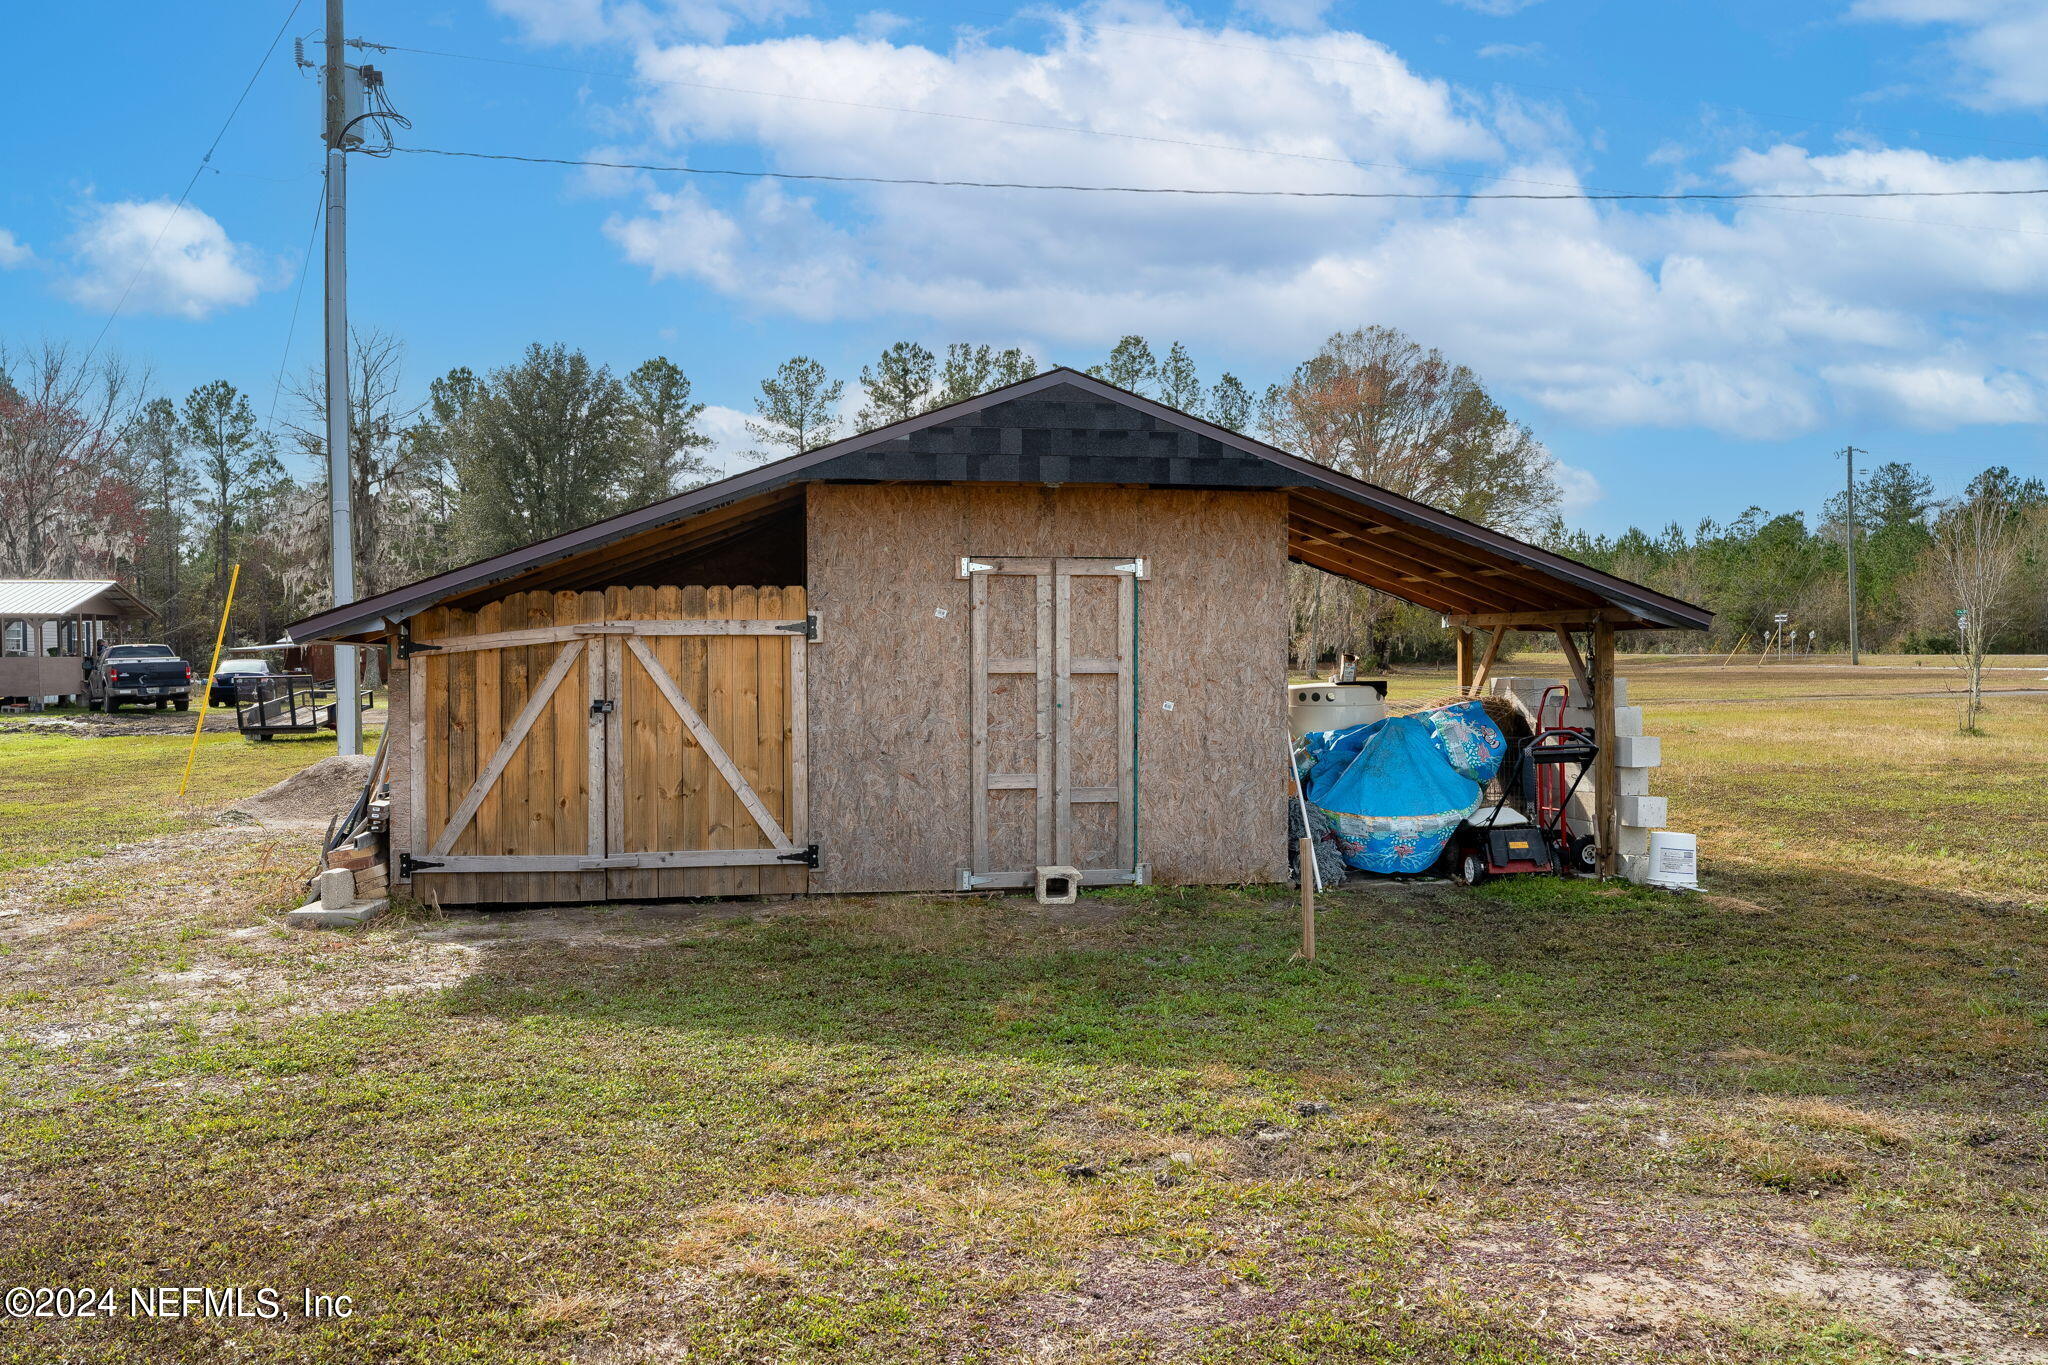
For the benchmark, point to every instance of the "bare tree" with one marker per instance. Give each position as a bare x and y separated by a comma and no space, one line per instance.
400,482
1376,405
61,417
1980,549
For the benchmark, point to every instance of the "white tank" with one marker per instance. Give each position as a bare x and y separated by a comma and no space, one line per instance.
1332,706
1674,860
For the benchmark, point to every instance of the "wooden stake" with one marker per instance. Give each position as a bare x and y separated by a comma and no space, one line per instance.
1307,848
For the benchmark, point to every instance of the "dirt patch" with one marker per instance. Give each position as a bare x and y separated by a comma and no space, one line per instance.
1626,1280
308,798
1121,1298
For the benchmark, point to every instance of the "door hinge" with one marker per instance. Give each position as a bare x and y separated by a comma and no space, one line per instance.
407,646
407,865
602,706
969,567
1139,568
808,627
807,855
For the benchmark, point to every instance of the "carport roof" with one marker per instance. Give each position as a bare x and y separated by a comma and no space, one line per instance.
59,597
1065,427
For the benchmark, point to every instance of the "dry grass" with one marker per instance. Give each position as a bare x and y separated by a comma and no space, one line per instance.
1797,1118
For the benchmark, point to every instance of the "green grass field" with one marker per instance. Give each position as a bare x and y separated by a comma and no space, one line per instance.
1799,1117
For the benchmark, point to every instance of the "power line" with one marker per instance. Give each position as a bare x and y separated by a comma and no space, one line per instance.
197,171
1083,130
298,296
1071,128
1596,196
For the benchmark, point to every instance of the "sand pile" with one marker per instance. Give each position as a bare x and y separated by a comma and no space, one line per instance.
311,796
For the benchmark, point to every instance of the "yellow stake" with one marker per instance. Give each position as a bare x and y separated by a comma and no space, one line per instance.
206,685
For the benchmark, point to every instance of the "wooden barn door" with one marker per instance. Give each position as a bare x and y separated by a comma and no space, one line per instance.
645,742
1054,720
705,763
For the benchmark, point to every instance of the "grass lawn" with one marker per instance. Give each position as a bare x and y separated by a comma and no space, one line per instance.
63,796
1800,1117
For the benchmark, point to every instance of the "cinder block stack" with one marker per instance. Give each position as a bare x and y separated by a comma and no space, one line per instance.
1635,755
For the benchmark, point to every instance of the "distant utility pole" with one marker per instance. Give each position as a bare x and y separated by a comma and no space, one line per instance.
341,543
1849,453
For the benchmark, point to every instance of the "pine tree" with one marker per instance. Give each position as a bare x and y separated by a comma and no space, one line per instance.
898,385
796,407
1179,385
154,445
1230,404
971,371
663,425
1130,366
236,470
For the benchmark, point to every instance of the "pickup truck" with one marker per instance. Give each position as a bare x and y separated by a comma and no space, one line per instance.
137,673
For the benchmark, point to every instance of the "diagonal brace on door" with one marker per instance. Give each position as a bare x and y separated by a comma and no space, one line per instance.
473,799
713,750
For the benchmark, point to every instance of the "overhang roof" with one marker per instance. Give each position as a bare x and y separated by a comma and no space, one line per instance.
1065,427
61,597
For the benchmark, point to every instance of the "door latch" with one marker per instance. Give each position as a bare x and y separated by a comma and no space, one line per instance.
602,706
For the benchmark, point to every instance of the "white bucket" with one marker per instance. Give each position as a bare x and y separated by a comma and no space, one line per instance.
1331,706
1674,860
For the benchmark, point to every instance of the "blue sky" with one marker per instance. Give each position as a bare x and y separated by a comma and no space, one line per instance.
1680,361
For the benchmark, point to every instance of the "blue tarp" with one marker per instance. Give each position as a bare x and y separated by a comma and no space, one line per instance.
1392,791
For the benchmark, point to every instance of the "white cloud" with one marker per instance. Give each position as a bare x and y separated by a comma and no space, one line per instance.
1498,8
1523,51
179,260
1759,320
1577,488
727,428
13,251
2001,45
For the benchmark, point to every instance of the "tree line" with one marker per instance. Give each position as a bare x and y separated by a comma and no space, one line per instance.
100,476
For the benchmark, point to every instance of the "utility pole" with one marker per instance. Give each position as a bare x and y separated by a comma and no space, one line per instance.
348,716
1849,453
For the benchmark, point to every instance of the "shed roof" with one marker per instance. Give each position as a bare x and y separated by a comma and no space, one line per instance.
57,597
1065,427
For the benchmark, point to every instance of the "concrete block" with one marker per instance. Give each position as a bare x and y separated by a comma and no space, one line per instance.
1578,696
1631,781
1633,843
314,915
1636,868
1628,722
1639,751
335,888
1642,812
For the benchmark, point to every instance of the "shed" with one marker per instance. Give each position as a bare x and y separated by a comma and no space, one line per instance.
48,625
1046,626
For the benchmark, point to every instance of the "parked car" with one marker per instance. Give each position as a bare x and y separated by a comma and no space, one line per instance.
221,690
137,673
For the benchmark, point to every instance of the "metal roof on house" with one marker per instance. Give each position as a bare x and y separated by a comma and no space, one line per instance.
56,597
1062,427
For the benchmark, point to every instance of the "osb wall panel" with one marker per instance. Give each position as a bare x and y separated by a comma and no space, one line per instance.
889,678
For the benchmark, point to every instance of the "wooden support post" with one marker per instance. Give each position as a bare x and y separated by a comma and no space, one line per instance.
1606,811
1493,639
1571,656
1464,639
1307,848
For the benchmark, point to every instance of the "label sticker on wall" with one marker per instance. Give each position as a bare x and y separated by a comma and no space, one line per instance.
940,613
1166,706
